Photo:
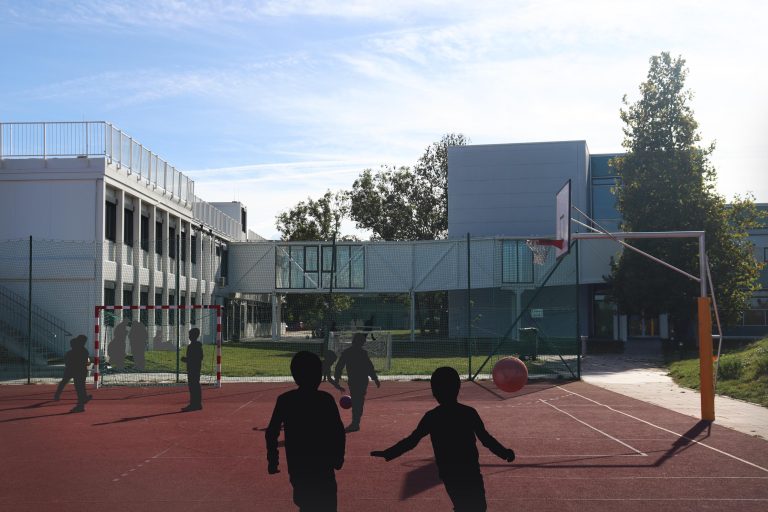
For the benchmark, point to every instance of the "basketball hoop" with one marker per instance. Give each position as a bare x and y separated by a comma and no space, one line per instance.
538,247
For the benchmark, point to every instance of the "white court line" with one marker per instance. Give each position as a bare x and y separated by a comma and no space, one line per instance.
669,431
595,429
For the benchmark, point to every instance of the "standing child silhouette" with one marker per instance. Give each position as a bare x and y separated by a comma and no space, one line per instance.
314,437
76,363
359,368
453,428
194,360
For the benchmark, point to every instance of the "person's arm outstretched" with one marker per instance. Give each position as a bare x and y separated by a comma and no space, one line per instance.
271,434
491,442
372,373
409,443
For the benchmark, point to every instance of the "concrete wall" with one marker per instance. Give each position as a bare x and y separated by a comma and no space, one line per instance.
509,189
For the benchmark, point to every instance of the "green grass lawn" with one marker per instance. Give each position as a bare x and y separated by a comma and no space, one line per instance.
267,359
743,373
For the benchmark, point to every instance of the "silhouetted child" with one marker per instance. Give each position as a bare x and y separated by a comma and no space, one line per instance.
76,362
452,428
314,437
328,360
359,368
194,360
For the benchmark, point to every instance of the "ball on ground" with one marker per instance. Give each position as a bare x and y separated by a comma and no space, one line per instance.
510,374
345,402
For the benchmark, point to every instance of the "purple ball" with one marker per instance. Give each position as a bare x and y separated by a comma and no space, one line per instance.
345,402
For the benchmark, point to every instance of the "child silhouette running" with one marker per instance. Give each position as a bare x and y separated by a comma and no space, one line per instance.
359,368
194,360
76,363
453,427
314,437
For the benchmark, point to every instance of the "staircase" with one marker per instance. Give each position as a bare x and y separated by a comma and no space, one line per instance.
50,339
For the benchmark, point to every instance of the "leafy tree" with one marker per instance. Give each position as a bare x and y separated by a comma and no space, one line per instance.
403,203
313,220
668,184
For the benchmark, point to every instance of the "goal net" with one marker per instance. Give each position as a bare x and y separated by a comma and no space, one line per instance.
378,344
144,345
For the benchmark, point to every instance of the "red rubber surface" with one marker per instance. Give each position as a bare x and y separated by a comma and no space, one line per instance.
579,447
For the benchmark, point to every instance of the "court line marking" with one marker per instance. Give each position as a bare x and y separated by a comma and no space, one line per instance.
669,431
642,454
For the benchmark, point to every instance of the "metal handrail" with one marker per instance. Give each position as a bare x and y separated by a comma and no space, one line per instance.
83,139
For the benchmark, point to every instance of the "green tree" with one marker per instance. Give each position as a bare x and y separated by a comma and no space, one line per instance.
403,203
317,220
668,184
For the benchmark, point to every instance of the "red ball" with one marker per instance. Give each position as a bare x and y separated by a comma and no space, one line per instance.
510,374
345,402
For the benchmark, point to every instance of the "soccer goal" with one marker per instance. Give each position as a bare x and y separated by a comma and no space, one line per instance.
378,344
143,345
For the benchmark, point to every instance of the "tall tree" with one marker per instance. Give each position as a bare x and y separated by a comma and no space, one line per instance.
318,220
668,184
403,203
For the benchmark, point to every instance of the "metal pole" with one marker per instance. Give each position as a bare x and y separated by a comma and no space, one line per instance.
578,316
178,299
29,316
469,309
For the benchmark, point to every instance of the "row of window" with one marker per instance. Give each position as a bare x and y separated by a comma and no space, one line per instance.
109,300
110,233
314,266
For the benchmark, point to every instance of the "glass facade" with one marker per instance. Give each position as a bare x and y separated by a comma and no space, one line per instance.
312,266
604,182
516,262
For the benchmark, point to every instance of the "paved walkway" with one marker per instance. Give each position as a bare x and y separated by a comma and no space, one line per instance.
646,379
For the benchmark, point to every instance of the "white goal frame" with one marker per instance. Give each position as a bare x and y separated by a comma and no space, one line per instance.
97,331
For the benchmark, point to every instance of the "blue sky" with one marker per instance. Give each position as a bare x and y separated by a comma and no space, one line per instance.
271,102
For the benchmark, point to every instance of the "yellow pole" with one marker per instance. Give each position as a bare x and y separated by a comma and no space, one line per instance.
707,385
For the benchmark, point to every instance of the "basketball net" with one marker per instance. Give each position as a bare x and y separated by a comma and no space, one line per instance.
538,247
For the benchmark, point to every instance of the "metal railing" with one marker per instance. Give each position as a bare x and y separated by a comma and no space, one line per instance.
83,139
49,336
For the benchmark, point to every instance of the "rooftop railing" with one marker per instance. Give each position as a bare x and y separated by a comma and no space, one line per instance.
83,139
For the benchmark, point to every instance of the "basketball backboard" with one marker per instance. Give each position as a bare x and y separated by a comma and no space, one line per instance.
563,219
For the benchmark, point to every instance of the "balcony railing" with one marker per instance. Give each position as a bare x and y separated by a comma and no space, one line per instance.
83,139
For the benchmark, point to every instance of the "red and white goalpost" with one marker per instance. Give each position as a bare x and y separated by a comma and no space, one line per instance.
99,349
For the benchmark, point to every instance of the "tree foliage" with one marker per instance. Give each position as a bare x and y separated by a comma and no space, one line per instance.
403,203
318,220
668,184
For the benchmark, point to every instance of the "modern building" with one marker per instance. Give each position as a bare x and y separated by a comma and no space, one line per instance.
106,221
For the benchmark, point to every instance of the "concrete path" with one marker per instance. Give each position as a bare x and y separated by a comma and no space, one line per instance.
646,379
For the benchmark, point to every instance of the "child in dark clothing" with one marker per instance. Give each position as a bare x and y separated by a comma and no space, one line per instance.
314,437
328,360
452,428
359,368
194,360
76,363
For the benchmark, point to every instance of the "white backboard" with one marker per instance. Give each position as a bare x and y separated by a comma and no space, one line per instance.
563,219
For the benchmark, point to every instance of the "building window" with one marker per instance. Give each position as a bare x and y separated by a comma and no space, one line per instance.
757,314
604,209
144,314
171,312
128,227
243,219
193,254
183,246
172,243
144,235
296,266
516,262
349,269
159,238
158,312
110,221
127,301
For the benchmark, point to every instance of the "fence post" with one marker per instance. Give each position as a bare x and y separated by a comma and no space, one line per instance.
29,316
469,310
578,315
178,300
